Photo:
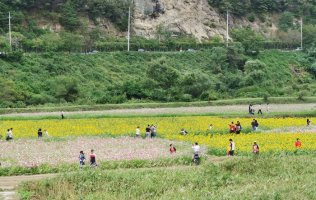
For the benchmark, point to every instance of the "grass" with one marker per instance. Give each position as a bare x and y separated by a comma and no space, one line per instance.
282,177
103,165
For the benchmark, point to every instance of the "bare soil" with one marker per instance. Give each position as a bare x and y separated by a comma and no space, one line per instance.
272,108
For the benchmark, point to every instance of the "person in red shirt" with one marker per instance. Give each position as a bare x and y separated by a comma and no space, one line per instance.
298,143
232,127
172,149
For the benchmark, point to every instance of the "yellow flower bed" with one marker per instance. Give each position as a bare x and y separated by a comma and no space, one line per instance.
268,142
169,127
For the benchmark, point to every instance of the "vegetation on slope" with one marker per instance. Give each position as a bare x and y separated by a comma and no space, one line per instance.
52,78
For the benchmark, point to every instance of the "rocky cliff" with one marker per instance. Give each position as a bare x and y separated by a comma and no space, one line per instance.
192,17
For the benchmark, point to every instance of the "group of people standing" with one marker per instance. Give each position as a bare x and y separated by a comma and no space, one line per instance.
235,128
40,133
92,160
151,131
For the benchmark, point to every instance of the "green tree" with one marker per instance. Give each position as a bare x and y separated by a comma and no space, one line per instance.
163,75
72,42
65,88
69,17
309,39
195,84
251,40
286,21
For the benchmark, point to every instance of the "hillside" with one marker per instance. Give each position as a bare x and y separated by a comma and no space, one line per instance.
38,25
53,57
54,78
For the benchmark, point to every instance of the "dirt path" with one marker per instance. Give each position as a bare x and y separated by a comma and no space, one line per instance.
10,183
180,110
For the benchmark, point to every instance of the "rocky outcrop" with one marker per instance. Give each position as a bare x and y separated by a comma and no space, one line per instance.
192,17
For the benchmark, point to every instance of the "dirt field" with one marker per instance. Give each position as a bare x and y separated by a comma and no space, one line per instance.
272,108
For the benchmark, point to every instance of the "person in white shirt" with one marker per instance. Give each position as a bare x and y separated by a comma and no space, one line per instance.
137,132
196,148
9,135
232,147
196,155
46,133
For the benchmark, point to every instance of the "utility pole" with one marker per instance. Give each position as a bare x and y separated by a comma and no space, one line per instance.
227,33
10,38
129,28
301,33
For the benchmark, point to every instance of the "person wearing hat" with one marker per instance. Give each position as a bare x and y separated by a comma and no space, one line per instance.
255,148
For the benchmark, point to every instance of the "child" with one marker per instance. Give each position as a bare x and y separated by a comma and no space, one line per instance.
93,161
82,158
172,149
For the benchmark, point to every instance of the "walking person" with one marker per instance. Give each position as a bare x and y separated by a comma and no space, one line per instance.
232,147
255,148
93,159
82,159
250,110
256,124
137,132
62,115
259,110
148,131
267,108
253,125
196,153
9,135
39,133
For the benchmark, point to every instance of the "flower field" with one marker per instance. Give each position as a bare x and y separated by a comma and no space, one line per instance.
30,153
169,127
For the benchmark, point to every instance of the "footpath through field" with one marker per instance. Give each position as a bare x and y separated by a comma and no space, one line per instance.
8,184
272,108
